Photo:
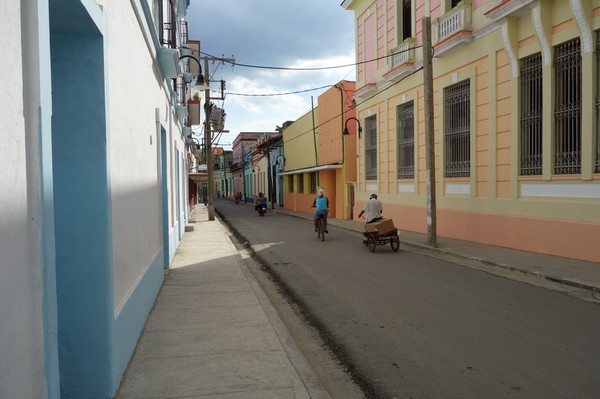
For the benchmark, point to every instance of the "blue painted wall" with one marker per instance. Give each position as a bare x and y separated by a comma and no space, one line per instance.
82,216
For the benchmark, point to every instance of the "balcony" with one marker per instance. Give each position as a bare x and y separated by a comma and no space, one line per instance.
402,61
508,8
168,62
453,29
194,111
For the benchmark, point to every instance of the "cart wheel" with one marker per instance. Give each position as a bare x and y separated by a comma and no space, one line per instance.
371,244
395,243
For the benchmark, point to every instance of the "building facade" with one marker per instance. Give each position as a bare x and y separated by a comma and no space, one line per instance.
300,148
337,134
94,173
242,165
515,89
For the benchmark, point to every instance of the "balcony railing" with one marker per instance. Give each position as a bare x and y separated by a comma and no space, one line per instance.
453,28
404,53
402,61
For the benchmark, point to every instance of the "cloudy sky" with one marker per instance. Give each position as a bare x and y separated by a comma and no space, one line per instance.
272,33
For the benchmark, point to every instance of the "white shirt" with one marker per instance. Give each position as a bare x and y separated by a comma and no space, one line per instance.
372,209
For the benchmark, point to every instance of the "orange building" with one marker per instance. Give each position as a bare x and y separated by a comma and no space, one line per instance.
319,155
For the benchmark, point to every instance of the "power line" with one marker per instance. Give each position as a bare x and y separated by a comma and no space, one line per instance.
234,63
277,94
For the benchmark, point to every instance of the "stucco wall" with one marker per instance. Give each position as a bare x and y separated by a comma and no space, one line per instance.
134,174
22,368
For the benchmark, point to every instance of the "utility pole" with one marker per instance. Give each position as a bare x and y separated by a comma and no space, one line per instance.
208,140
429,132
210,184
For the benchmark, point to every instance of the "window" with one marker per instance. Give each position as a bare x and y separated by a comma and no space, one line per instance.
567,108
168,20
290,180
301,183
405,18
457,129
371,148
405,130
597,163
313,182
531,115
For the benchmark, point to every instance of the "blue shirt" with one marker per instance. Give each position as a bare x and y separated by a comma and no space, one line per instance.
321,203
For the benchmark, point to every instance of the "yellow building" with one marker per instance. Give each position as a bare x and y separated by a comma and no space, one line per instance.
320,152
516,110
300,165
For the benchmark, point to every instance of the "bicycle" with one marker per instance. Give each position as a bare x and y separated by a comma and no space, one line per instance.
321,230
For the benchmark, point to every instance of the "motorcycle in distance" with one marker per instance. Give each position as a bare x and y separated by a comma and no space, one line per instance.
261,204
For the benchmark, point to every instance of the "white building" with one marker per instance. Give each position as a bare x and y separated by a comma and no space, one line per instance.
93,184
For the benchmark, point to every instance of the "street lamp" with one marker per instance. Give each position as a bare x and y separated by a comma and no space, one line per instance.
197,81
346,132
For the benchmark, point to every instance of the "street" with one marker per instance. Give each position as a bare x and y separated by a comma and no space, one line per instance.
411,326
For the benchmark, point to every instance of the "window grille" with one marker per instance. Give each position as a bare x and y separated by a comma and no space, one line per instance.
457,129
567,109
371,148
405,127
168,31
531,115
313,182
290,180
597,163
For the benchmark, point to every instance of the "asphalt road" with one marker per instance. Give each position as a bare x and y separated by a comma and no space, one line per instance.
412,326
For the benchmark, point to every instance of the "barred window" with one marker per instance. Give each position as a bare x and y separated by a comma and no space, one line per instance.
597,163
567,108
371,148
531,115
405,130
290,180
457,129
313,182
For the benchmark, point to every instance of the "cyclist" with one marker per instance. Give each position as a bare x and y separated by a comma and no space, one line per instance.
321,202
261,201
373,209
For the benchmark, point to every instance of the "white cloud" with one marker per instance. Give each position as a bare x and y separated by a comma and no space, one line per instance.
275,33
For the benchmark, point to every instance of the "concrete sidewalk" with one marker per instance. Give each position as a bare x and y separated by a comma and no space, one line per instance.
574,276
213,333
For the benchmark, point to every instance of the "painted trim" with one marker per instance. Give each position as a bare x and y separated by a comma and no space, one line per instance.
514,63
307,170
406,187
586,34
458,188
564,190
536,15
129,321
